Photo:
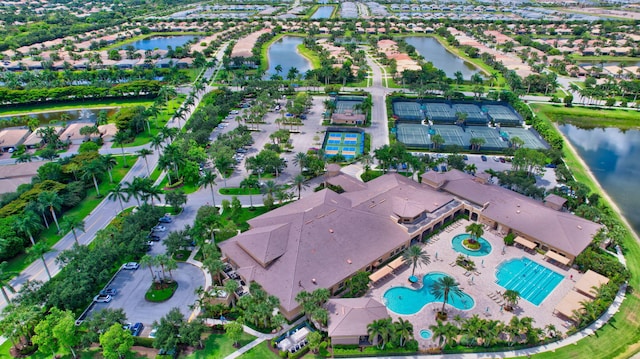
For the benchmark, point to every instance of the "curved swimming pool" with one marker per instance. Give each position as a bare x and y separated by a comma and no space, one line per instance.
407,301
485,246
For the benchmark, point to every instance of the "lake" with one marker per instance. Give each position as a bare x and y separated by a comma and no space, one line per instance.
433,51
160,42
612,156
323,12
284,53
73,115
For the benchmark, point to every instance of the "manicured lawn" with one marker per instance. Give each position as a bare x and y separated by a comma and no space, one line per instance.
90,202
309,55
156,125
161,292
219,346
247,214
74,105
589,117
261,351
187,188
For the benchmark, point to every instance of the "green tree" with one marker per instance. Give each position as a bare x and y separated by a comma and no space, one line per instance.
403,330
445,286
66,332
144,153
71,223
176,199
437,140
416,255
5,281
445,333
358,284
118,193
93,170
168,330
38,251
511,297
299,183
150,262
315,339
52,201
28,223
120,139
209,179
109,162
116,342
234,331
475,231
380,332
250,183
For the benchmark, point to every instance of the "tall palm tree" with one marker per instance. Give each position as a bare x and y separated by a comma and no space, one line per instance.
118,193
416,255
93,169
170,265
5,279
53,201
404,331
35,206
169,133
38,250
120,139
299,183
250,183
214,266
109,162
511,297
443,287
381,331
156,142
150,262
28,223
144,152
475,230
300,160
445,333
209,179
71,223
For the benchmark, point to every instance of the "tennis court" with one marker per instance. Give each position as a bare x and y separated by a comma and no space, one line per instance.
502,115
348,144
491,136
413,134
531,138
453,135
475,116
347,104
408,111
439,113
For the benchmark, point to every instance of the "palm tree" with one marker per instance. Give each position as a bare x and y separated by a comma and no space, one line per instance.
171,264
511,297
144,152
230,287
437,140
250,183
119,139
166,92
299,182
209,179
475,231
416,255
215,266
156,142
380,330
300,160
444,332
5,279
118,194
443,287
71,223
53,201
93,169
28,223
150,262
109,162
404,331
38,250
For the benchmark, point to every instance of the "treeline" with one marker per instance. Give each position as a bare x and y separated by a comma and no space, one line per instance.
134,88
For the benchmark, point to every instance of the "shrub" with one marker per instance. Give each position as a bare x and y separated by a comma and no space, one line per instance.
509,239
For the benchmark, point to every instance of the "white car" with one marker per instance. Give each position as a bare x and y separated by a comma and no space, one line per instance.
159,228
102,298
234,112
152,335
131,266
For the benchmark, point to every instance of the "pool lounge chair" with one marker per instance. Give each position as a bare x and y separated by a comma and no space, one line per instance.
467,274
453,264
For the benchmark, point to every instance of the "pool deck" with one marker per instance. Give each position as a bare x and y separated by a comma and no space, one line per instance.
479,287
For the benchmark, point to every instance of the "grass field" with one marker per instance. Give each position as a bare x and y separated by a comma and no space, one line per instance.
218,346
73,105
621,336
156,124
586,117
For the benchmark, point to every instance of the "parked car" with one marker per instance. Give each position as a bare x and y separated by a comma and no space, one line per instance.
131,266
154,237
109,291
136,329
483,158
164,219
152,335
465,157
159,228
102,298
234,112
495,158
502,159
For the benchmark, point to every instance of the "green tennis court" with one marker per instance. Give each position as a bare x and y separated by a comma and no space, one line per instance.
491,136
531,138
408,111
413,134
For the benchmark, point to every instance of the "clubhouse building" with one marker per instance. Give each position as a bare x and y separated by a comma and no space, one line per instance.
323,239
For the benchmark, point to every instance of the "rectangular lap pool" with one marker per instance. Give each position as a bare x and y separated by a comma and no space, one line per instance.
533,281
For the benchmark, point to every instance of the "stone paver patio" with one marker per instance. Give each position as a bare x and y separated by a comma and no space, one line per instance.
479,287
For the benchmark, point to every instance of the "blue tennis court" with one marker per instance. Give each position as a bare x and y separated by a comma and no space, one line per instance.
349,149
350,142
332,148
347,144
350,135
334,142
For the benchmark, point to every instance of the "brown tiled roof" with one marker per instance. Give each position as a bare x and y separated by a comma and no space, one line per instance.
350,317
348,183
555,199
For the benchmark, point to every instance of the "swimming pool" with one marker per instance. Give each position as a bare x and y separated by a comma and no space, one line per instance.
533,281
485,246
407,301
425,334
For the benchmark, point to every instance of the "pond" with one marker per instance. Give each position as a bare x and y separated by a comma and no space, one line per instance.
72,115
160,42
323,12
284,53
433,51
612,156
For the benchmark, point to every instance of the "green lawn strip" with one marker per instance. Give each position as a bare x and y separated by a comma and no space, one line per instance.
155,173
590,117
309,55
260,351
186,188
234,191
73,105
88,204
596,60
218,346
619,337
145,36
156,125
161,292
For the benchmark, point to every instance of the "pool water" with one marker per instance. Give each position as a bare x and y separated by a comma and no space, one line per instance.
425,334
407,301
485,246
533,281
